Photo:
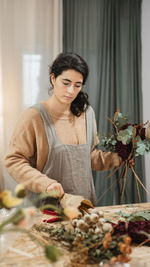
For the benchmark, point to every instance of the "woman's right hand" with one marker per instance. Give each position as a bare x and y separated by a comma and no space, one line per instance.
56,187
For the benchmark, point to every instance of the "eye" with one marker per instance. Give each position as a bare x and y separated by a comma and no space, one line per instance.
65,83
77,86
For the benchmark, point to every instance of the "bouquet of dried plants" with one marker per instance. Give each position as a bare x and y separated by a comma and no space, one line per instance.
129,141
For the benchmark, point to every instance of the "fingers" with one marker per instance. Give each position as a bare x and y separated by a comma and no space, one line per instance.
71,200
132,162
56,187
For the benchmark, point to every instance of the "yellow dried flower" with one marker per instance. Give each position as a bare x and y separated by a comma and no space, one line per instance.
8,201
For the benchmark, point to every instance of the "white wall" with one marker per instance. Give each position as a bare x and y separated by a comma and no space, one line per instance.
146,75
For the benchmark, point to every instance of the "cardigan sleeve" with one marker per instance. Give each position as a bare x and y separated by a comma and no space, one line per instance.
100,160
27,152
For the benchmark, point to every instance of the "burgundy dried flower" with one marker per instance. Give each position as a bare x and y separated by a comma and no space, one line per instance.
141,132
125,127
123,150
133,230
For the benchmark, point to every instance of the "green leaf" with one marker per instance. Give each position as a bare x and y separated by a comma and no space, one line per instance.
125,136
142,147
139,216
123,214
121,120
108,142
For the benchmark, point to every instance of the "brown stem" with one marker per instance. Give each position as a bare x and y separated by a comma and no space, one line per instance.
139,179
125,180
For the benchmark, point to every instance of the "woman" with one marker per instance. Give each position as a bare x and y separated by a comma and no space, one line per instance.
53,145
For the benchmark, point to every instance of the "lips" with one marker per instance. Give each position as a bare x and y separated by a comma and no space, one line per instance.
68,97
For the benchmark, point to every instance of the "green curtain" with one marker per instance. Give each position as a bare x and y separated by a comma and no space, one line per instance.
107,33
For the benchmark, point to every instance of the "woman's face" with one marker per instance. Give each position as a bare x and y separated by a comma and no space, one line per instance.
67,85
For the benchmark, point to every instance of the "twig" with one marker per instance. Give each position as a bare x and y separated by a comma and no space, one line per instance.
139,179
125,179
112,123
108,189
138,190
113,172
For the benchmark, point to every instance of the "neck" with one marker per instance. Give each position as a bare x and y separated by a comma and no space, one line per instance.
57,107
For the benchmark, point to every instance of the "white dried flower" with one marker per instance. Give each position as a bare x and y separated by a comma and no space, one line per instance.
101,221
87,218
78,230
90,210
98,230
94,210
94,217
100,213
80,215
80,223
107,227
91,230
74,222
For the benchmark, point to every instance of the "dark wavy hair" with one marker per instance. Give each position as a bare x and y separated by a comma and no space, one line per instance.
71,61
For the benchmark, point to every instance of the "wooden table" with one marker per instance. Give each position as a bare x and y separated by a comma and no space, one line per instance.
26,253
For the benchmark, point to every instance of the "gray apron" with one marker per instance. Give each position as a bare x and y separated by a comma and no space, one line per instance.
70,165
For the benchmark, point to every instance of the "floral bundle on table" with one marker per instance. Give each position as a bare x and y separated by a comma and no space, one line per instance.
129,141
90,236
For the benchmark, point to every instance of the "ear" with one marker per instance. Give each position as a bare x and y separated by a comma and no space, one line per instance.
52,79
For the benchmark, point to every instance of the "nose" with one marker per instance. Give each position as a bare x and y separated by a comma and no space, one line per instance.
70,89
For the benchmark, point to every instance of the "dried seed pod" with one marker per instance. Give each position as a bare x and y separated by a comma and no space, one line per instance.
85,205
107,227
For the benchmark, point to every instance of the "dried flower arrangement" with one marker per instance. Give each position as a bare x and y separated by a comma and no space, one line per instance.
129,141
90,238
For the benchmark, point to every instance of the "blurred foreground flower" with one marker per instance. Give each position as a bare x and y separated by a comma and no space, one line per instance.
52,253
20,220
8,201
